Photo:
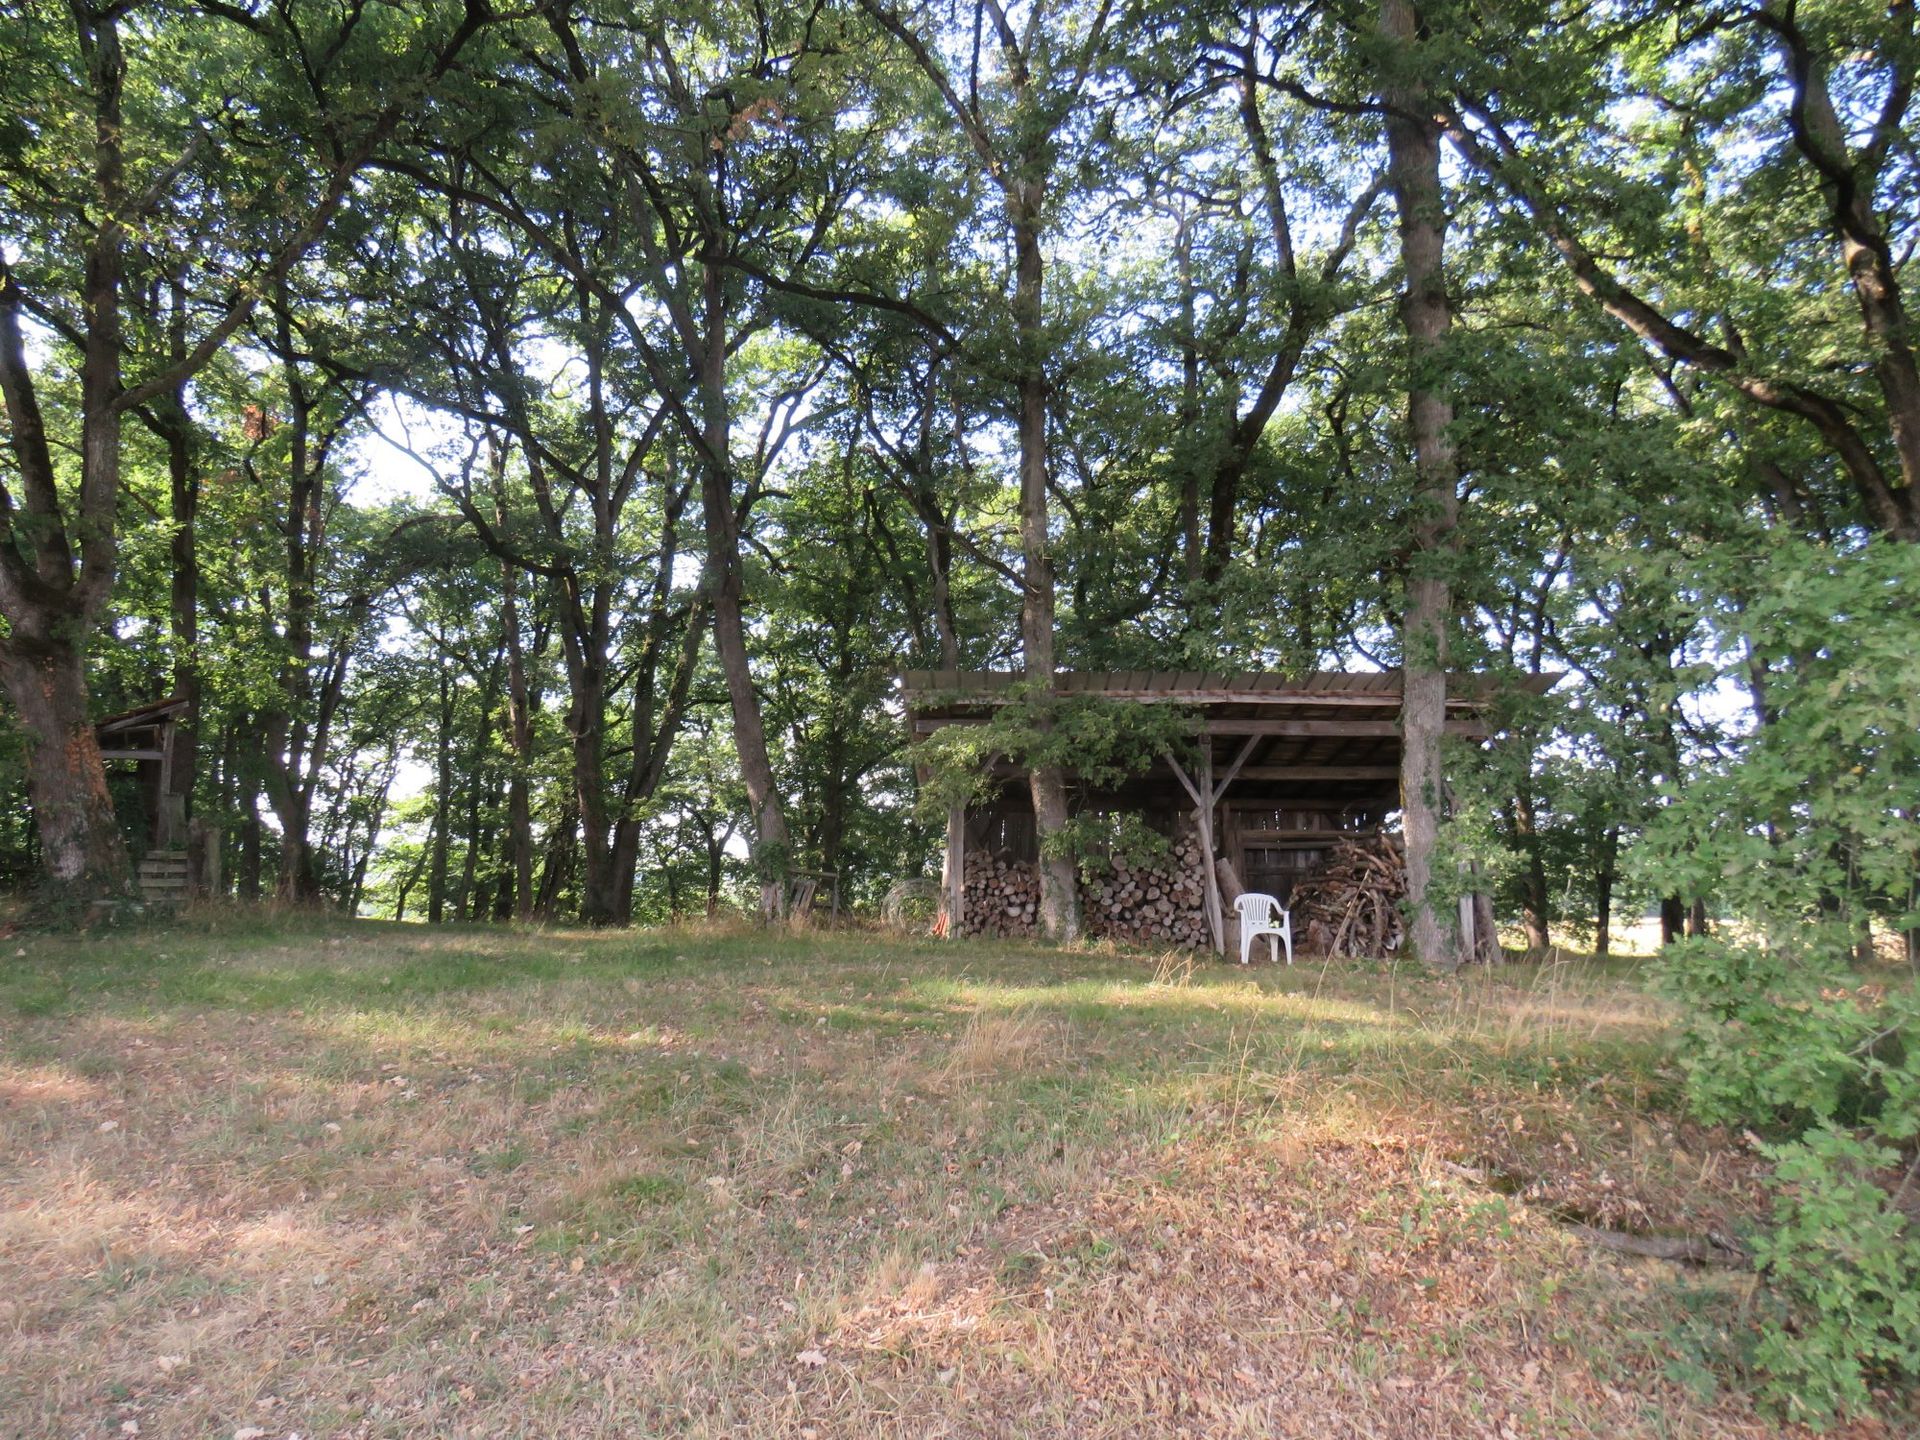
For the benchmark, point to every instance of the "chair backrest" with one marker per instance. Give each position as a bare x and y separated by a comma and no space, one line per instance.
1256,908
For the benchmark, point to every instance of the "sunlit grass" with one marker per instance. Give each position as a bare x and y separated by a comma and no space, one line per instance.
488,1182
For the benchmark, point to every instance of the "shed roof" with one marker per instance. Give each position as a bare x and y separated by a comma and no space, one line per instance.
1331,732
154,712
965,691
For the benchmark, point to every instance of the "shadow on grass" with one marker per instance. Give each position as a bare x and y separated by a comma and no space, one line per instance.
365,989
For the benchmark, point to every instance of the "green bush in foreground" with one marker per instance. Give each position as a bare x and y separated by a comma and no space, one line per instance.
1846,1264
1806,837
1835,1071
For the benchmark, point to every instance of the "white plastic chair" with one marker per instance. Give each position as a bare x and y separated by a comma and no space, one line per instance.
1263,915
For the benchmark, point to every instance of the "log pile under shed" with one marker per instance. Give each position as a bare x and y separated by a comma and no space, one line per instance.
1160,902
1351,906
1002,897
1156,903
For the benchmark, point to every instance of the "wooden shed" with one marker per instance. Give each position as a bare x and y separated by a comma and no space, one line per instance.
173,860
1287,765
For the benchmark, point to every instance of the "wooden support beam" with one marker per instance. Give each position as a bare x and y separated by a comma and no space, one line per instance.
1203,821
1320,772
956,876
1334,729
1239,761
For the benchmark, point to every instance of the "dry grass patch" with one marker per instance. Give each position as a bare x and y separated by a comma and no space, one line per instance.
375,1181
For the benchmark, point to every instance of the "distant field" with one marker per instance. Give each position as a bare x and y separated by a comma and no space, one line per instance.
265,1179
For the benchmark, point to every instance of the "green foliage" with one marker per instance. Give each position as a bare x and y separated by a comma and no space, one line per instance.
1099,839
1471,857
1773,1038
1806,835
1103,741
1844,1264
1817,810
1769,1037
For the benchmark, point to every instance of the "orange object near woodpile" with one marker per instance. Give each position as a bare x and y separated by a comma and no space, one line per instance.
1293,772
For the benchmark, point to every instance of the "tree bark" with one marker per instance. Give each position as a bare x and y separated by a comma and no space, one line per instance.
1413,147
1059,878
1533,876
183,477
55,577
1848,181
556,870
520,737
1603,881
772,844
82,854
442,805
1673,919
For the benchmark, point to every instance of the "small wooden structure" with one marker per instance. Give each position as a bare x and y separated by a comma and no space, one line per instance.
173,860
1286,765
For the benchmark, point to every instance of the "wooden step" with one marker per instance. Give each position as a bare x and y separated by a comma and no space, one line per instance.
163,875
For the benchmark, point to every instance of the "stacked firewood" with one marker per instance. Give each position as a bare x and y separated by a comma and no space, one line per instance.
1001,896
1153,903
1352,906
1160,902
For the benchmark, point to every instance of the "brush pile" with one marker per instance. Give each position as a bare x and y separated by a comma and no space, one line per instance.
1351,908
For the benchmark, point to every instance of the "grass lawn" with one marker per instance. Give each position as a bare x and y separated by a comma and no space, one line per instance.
265,1178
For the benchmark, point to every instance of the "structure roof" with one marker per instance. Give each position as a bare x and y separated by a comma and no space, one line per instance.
141,716
1331,732
930,691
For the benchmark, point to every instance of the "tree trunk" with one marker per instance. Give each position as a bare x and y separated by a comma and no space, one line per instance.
407,882
1413,147
716,852
940,562
1191,463
1603,881
599,898
443,806
1533,878
479,801
520,737
250,859
772,845
1847,182
176,803
82,853
1697,924
557,870
1059,880
1673,919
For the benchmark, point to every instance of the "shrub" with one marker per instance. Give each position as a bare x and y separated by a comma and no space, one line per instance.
1843,1267
1767,1039
1806,834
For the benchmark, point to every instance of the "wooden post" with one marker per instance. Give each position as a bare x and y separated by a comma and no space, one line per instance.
956,876
1216,921
1203,797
